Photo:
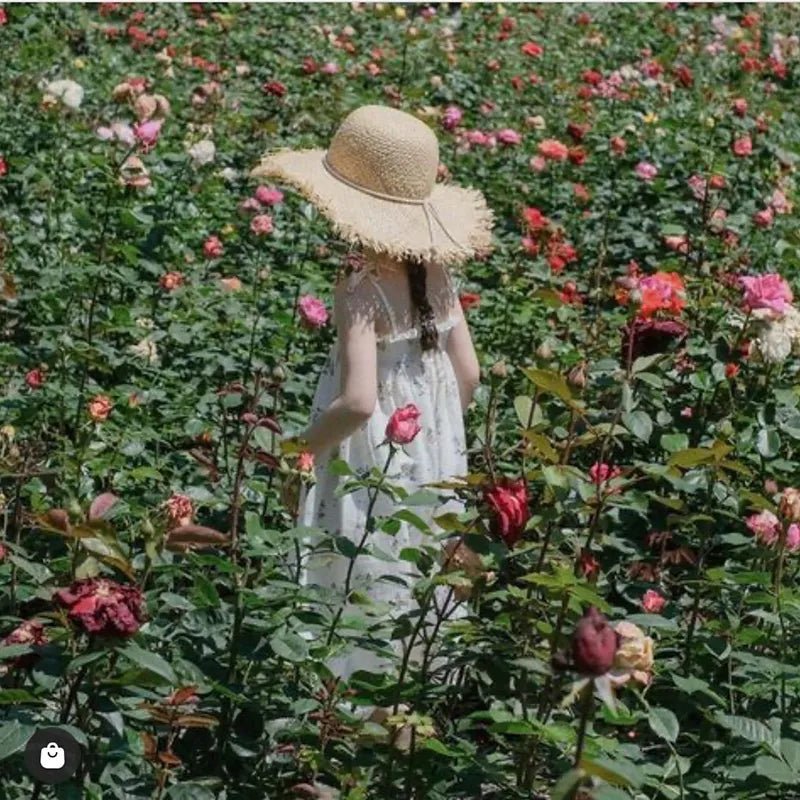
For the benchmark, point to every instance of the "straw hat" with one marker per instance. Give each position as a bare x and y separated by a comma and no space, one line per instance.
377,184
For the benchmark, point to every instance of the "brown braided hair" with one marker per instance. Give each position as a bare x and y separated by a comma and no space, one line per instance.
418,288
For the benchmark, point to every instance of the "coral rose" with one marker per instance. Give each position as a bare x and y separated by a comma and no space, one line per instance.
553,149
653,602
100,407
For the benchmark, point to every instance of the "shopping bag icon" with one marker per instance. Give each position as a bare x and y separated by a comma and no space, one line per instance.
52,756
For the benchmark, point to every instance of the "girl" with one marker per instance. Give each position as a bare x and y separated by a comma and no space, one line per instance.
403,353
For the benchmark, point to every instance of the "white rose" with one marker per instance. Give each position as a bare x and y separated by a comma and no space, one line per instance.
67,91
202,152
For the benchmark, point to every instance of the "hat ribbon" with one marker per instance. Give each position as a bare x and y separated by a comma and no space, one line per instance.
427,205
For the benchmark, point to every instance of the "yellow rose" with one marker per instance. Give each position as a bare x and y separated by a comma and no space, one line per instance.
650,118
400,12
79,63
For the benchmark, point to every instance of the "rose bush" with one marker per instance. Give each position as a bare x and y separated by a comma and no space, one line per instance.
634,445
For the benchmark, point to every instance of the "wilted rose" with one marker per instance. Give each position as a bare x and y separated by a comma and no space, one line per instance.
790,505
103,607
180,510
594,644
30,632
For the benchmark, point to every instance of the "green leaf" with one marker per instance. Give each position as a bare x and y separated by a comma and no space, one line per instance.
523,405
441,748
639,424
152,662
750,729
776,770
550,382
619,773
664,724
289,646
768,442
13,737
566,783
674,442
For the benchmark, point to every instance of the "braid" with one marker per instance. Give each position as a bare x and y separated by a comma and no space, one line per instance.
417,285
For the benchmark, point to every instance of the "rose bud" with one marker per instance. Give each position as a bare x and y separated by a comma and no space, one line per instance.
577,376
594,644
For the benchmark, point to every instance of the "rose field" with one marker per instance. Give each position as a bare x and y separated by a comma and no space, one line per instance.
623,614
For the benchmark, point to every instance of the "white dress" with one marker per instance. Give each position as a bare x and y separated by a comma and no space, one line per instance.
384,570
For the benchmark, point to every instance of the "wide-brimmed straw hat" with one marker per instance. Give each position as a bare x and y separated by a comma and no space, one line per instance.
376,183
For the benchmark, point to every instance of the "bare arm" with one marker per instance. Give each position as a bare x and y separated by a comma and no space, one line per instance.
463,358
358,369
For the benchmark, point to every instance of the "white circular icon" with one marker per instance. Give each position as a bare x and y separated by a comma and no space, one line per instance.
52,756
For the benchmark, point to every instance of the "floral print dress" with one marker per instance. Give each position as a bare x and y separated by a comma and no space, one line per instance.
384,570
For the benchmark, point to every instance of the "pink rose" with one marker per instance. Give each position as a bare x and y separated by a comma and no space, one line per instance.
793,538
452,117
765,526
305,462
35,379
538,164
739,106
403,425
261,225
268,195
212,247
770,292
312,311
646,171
742,147
764,218
600,472
147,133
653,602
508,136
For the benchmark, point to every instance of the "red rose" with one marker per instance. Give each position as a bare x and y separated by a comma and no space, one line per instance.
594,644
508,500
275,88
469,300
103,607
403,426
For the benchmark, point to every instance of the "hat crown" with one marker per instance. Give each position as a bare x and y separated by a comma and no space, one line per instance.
386,150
